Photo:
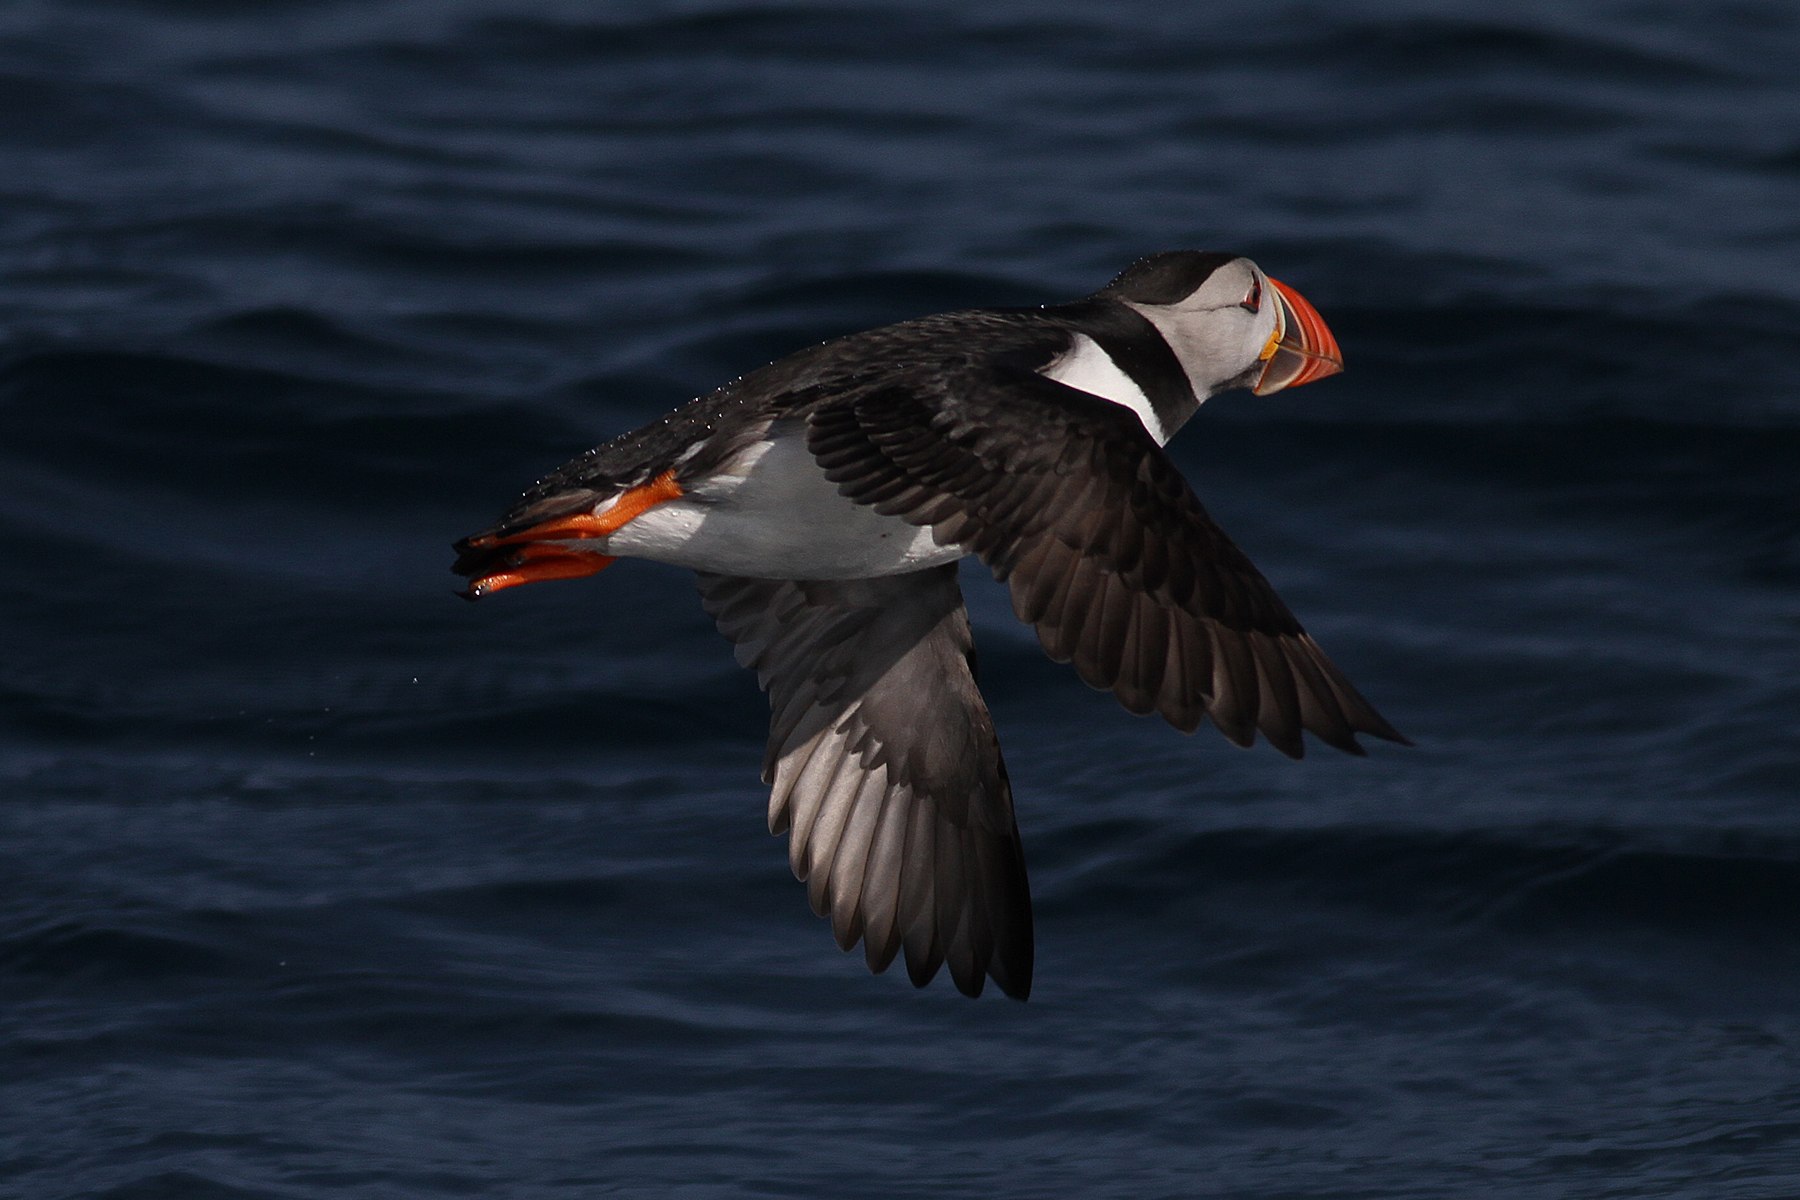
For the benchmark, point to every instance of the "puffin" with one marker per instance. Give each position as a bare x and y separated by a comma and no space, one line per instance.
824,501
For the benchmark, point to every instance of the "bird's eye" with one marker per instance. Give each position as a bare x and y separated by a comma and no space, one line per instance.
1253,298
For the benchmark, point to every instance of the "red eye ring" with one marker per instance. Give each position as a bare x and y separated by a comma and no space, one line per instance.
1252,300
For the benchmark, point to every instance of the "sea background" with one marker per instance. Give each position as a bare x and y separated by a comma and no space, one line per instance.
316,881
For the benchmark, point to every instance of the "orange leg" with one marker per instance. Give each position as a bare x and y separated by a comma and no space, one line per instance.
538,557
532,564
633,503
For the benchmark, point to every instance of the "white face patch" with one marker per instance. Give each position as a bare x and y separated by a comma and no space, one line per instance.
1087,367
1214,337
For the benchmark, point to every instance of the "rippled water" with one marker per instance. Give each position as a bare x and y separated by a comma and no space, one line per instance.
315,881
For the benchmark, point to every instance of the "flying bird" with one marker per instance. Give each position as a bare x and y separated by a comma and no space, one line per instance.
824,501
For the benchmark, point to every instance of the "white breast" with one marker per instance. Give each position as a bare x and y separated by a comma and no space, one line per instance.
1088,367
772,514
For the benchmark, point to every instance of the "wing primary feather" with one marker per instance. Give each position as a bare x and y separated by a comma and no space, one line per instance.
835,807
1144,656
1234,691
1318,704
918,895
953,916
1187,664
982,889
808,799
1361,713
1278,711
850,864
1110,625
882,880
1011,966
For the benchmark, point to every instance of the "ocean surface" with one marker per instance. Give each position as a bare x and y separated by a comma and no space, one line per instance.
316,881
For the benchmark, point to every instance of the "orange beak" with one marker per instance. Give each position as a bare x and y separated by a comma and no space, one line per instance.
1301,349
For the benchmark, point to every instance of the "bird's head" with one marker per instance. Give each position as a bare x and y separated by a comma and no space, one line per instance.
1230,325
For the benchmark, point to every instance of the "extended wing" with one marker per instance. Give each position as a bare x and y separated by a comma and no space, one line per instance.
1106,549
885,771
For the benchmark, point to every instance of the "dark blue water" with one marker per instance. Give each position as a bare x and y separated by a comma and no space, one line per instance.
315,881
